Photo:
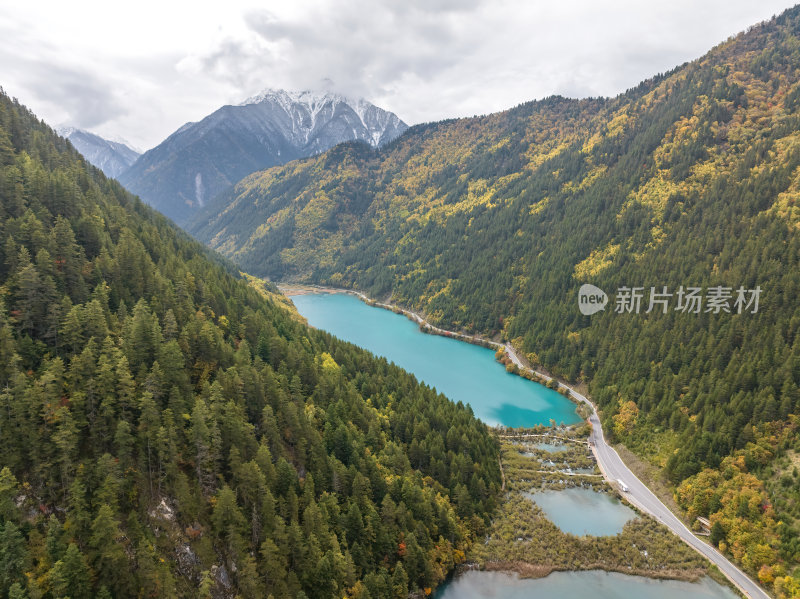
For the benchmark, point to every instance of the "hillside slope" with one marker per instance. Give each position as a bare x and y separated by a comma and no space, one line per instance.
111,157
167,431
492,224
194,164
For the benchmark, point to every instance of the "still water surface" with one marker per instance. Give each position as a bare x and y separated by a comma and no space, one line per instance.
583,511
593,584
550,447
470,374
464,372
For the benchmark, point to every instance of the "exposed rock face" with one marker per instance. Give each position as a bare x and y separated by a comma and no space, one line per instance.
201,159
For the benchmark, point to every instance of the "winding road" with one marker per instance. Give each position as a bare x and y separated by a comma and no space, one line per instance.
611,465
614,469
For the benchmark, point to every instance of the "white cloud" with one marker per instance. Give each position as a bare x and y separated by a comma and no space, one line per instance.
141,70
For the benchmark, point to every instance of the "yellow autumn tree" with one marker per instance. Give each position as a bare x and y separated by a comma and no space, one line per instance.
625,418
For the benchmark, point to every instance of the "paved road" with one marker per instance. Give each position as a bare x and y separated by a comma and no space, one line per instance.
614,469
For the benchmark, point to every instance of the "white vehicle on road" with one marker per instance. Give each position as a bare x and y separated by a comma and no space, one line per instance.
623,487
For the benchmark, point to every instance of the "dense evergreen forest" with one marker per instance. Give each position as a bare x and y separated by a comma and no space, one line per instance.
167,431
491,224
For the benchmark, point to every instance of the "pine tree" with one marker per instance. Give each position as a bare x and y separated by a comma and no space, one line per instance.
66,439
17,591
70,576
54,540
399,582
108,556
9,489
13,556
274,568
205,438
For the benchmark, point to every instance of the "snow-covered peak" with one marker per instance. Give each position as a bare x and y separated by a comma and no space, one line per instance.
200,160
118,139
69,132
113,157
307,110
65,131
306,97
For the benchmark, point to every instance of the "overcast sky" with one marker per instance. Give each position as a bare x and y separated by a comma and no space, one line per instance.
139,70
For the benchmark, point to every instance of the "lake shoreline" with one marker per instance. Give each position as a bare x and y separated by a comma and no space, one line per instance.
512,358
525,539
532,571
514,364
602,584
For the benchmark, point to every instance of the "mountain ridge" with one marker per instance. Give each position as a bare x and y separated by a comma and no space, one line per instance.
491,224
111,157
169,430
199,160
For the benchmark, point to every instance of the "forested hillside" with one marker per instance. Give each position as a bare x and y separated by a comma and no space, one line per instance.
491,224
199,160
166,431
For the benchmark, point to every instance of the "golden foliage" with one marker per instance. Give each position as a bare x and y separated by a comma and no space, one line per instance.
596,262
625,418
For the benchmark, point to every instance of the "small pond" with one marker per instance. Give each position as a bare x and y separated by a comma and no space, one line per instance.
583,511
578,585
550,447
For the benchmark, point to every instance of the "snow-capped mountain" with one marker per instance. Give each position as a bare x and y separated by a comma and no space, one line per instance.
201,159
111,157
311,118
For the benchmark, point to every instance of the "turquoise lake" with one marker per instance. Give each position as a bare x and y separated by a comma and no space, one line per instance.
583,511
470,374
464,372
578,585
